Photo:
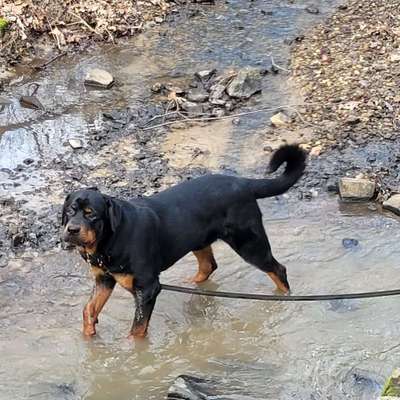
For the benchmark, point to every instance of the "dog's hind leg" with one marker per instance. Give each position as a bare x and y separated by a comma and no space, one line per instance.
249,240
207,264
101,293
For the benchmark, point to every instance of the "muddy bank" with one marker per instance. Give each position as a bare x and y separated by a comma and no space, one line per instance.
37,30
347,70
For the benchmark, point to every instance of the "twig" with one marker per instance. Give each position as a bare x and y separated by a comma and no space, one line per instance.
203,119
44,65
277,66
84,23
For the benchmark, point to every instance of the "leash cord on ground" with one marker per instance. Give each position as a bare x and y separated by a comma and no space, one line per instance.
271,297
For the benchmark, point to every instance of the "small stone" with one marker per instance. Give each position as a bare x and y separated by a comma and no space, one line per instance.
280,119
158,20
393,204
193,109
75,143
216,93
395,56
349,243
236,121
316,151
99,78
312,10
355,189
197,95
157,87
332,185
205,74
246,83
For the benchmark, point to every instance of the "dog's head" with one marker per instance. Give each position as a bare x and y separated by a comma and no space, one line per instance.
87,216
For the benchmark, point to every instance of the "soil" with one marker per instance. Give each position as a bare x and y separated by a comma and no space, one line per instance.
348,72
39,29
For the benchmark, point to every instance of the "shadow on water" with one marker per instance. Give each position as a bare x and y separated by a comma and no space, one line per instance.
307,351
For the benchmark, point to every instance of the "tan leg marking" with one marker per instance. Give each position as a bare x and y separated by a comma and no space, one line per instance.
279,284
207,264
102,292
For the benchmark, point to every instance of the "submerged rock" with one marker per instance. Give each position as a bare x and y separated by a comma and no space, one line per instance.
187,387
356,189
99,78
393,204
246,83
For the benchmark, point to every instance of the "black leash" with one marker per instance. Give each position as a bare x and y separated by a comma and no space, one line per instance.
272,297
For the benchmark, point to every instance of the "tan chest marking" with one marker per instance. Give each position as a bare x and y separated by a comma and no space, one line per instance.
125,280
96,271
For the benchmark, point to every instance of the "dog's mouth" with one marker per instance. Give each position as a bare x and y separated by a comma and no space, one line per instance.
84,238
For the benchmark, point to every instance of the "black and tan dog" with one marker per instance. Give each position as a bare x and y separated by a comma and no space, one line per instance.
132,242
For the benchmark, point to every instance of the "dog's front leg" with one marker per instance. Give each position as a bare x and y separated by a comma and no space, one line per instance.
104,285
145,299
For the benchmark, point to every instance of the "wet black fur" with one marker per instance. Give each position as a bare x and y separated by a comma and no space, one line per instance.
145,236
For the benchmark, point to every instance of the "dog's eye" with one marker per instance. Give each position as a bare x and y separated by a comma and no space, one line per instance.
88,212
70,212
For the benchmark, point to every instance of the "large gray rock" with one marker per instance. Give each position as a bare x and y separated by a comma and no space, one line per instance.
356,189
246,83
99,78
393,204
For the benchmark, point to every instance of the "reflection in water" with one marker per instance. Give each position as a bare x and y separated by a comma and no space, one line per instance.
268,350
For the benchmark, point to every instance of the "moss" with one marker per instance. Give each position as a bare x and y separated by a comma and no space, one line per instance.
392,385
3,25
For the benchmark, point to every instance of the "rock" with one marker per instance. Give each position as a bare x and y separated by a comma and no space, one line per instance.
246,83
349,243
197,95
216,93
356,189
193,109
99,78
159,20
157,87
205,74
393,204
280,119
312,10
316,151
187,387
75,143
332,185
392,385
395,56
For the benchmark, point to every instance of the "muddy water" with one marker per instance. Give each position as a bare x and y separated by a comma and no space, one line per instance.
334,350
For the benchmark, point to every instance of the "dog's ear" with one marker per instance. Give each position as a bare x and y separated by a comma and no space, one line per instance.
114,213
64,217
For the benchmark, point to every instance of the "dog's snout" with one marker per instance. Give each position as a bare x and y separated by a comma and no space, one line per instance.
73,229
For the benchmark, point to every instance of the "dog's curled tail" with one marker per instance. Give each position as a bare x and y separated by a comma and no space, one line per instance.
295,159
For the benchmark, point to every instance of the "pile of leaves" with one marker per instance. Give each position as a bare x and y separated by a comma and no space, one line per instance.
64,24
349,72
